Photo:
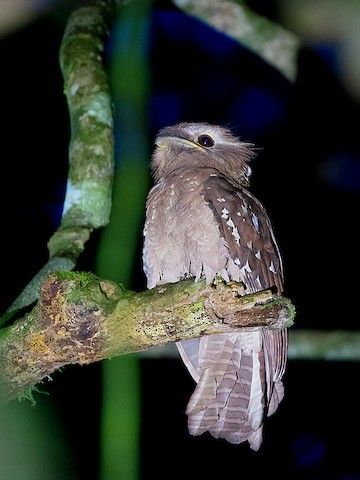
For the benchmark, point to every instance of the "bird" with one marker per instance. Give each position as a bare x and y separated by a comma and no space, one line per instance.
202,222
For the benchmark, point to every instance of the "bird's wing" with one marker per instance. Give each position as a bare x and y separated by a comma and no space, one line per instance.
246,228
240,374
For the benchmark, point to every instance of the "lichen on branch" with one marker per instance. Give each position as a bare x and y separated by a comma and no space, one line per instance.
88,196
81,319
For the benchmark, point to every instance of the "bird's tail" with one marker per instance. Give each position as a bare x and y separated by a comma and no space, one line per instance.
239,382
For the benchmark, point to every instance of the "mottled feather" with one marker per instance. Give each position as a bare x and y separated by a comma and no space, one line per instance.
202,221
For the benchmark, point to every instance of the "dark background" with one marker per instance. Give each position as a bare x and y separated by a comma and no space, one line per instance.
307,174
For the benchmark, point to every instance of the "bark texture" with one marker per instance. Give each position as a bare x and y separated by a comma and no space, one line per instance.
81,318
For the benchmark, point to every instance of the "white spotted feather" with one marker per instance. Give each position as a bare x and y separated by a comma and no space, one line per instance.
202,222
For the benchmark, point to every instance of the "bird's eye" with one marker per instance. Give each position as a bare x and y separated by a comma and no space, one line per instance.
205,140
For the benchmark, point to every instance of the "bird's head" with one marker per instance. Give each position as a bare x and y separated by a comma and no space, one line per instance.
201,145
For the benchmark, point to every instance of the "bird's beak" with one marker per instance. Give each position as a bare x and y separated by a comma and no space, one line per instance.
164,141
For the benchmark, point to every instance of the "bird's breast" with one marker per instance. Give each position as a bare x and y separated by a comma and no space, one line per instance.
182,236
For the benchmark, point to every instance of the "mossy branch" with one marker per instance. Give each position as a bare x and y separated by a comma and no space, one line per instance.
91,164
87,201
81,318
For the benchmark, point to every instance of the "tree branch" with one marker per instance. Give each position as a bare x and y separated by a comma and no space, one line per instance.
82,319
87,201
268,40
337,345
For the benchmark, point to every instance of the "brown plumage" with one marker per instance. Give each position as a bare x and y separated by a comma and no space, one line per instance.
202,221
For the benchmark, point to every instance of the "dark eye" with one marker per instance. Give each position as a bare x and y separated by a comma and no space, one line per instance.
205,140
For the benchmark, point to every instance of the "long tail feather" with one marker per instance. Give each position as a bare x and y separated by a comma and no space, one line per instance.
239,382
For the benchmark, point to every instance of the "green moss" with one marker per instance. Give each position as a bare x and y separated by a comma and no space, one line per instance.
86,278
28,394
68,241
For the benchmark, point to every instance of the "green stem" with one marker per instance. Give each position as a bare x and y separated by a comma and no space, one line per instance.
118,246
